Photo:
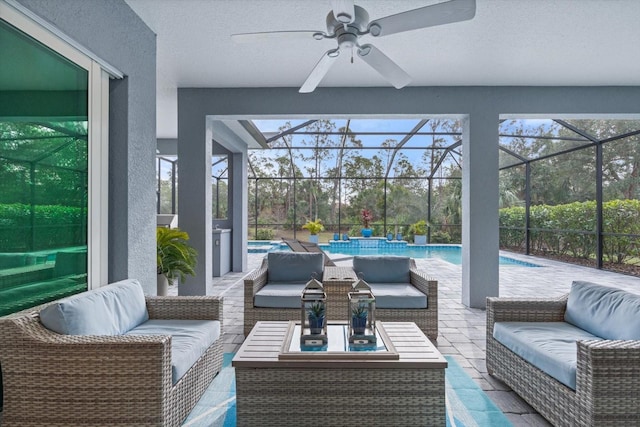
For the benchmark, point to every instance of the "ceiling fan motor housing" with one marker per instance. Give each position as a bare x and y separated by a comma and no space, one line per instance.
347,34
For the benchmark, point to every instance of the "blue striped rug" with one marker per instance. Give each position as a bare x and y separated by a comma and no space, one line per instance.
467,404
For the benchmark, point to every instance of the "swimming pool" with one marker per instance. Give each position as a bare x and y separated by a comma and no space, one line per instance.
263,246
448,253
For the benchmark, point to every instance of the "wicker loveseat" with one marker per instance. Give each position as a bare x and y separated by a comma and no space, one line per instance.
111,362
575,359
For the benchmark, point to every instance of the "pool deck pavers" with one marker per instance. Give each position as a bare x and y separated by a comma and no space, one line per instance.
462,329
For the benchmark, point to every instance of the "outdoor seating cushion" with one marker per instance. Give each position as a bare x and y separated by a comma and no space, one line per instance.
398,295
549,346
607,312
383,269
189,340
294,267
110,310
279,295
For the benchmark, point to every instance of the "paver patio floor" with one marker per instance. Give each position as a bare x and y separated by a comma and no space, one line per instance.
462,329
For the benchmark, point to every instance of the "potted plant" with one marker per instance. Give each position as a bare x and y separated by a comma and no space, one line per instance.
314,228
419,231
366,217
316,317
175,258
359,319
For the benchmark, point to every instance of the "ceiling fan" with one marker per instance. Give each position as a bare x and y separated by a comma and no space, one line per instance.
346,23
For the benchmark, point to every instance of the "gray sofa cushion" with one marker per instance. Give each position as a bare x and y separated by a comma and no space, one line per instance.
189,340
607,312
398,295
383,269
294,266
111,310
279,295
549,346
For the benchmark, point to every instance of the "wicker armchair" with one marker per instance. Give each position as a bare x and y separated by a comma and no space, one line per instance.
252,314
426,319
59,380
607,377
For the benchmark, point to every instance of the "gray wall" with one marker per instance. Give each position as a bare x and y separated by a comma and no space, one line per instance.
111,30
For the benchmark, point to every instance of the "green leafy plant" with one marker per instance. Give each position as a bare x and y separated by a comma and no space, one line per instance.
419,228
440,237
265,234
359,312
314,227
175,257
316,310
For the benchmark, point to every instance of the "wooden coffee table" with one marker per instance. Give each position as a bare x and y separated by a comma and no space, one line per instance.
272,390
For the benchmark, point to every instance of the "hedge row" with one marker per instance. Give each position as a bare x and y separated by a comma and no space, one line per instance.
55,226
549,226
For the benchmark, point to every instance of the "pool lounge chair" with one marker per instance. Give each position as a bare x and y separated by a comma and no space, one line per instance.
299,246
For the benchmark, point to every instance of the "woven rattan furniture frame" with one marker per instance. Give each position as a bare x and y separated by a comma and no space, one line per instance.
425,318
337,282
62,380
607,377
409,391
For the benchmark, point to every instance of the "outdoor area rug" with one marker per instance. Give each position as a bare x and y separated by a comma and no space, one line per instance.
467,404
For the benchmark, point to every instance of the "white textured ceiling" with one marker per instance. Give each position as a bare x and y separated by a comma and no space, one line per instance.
509,42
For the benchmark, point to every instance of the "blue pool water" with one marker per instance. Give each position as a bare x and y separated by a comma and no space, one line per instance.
263,246
449,253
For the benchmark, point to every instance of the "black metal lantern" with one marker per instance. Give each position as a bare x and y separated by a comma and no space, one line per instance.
313,319
362,314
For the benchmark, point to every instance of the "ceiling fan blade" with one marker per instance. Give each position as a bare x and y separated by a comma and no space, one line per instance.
343,10
274,35
319,71
428,16
384,65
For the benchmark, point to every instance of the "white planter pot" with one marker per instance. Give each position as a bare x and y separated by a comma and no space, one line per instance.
420,239
313,238
163,285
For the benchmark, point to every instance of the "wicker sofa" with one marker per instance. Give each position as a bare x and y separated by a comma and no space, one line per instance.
106,364
575,359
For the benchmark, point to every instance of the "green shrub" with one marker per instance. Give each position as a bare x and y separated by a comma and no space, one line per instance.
54,226
571,229
440,237
265,234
